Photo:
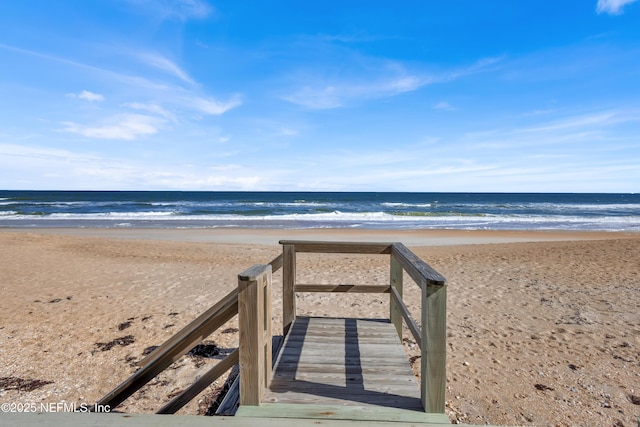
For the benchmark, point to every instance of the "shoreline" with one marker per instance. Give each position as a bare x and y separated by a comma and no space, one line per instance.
271,236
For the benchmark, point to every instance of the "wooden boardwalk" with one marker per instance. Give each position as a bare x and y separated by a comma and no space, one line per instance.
342,368
329,371
343,362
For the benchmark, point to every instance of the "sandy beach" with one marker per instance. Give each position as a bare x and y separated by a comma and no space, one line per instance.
543,327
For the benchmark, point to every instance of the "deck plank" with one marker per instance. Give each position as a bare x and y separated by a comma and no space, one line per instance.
344,362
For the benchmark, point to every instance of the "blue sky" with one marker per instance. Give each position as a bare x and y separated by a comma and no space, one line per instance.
455,95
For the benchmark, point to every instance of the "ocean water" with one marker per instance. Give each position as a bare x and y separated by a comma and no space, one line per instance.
466,211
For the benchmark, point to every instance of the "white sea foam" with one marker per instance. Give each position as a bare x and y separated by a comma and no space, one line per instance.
355,219
406,205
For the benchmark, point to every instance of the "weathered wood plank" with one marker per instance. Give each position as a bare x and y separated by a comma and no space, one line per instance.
338,247
373,338
231,400
187,330
338,375
252,288
434,348
268,333
365,362
411,324
334,387
276,263
288,285
68,419
351,413
285,367
341,366
416,268
347,345
353,323
203,382
382,399
395,299
362,289
191,335
253,273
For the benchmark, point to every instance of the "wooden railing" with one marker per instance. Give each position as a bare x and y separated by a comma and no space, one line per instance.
430,335
174,348
251,300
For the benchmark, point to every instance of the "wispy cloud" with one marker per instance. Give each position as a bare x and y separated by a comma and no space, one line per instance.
288,132
213,107
123,126
128,79
586,121
444,106
343,93
35,167
87,96
153,108
317,97
391,80
187,9
180,9
164,64
612,7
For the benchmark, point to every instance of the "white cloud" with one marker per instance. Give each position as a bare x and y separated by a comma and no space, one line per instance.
342,93
36,168
583,122
213,107
190,8
152,108
317,98
613,7
166,65
288,132
87,96
181,9
123,126
338,93
444,106
406,84
130,80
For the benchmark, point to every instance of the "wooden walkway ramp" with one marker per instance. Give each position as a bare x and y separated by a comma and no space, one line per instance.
343,368
343,362
329,371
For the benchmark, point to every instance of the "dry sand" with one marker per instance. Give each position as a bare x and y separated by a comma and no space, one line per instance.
543,328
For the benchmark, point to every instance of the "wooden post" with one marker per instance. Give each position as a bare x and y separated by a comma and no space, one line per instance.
268,356
433,362
395,279
288,287
251,319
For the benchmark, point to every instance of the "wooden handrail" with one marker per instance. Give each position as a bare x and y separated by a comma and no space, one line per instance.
276,263
355,289
174,348
418,269
430,337
411,324
203,382
252,301
187,331
338,247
